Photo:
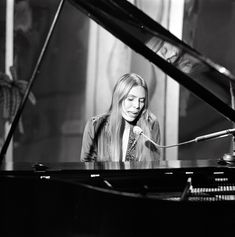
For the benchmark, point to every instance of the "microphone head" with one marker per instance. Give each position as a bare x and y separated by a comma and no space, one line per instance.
137,130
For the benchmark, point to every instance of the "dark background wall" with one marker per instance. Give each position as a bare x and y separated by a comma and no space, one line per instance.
53,127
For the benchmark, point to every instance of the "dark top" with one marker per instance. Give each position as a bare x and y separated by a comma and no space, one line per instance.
96,137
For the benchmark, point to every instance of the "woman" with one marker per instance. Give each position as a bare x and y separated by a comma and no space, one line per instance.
110,136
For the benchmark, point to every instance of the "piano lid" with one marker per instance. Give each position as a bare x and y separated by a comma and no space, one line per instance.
211,82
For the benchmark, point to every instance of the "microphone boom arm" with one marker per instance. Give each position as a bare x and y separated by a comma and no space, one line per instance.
214,135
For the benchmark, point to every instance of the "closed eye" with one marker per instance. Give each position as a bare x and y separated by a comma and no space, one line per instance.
130,98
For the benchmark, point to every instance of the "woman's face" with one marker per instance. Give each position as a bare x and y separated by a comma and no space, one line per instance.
132,106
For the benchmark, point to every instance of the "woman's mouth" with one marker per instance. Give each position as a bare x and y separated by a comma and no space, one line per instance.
133,114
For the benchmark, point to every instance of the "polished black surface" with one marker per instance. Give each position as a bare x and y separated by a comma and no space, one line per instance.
73,199
111,166
166,180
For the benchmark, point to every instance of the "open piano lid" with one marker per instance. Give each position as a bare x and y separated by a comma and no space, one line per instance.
209,81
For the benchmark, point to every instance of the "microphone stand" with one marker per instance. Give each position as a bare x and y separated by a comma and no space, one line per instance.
230,157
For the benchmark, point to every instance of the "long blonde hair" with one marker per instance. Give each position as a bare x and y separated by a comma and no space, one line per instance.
120,93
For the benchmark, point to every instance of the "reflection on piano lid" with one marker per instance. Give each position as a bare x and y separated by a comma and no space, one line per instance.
209,81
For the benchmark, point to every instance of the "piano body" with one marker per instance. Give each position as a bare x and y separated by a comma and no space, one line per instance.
187,198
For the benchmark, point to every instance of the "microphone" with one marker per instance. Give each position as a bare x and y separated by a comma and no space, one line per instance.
215,134
138,131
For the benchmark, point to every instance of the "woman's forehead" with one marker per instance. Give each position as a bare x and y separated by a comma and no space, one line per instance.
137,91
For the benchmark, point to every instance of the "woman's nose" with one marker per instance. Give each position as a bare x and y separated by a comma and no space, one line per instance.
136,104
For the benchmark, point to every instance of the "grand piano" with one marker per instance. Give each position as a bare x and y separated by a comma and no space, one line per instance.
178,197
